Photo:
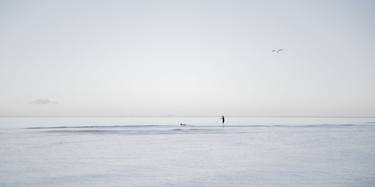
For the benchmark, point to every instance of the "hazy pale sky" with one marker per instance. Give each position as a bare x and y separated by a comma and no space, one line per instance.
193,57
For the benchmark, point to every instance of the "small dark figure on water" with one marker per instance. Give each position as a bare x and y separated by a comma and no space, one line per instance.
223,120
182,124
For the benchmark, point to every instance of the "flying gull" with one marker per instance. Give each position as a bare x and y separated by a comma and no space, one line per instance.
277,50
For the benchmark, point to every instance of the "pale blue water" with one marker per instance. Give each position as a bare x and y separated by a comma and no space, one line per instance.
158,152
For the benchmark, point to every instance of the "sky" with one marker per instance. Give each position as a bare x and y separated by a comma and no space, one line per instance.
192,57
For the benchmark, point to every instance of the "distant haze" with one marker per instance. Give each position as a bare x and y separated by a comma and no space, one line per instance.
193,57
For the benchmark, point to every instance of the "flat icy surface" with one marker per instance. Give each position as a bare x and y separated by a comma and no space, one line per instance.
156,155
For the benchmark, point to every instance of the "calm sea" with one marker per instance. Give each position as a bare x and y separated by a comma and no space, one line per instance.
158,152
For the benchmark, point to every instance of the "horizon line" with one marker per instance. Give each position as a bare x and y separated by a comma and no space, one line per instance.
187,116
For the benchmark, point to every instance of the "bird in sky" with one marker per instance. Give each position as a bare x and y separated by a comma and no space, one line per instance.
277,50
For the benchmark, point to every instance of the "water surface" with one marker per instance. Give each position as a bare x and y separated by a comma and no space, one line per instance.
158,152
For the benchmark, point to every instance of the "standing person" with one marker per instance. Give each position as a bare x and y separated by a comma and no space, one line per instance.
223,120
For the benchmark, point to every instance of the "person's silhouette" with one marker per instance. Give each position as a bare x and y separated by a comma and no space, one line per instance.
223,120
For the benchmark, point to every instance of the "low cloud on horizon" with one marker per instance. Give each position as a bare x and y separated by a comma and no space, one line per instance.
43,102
